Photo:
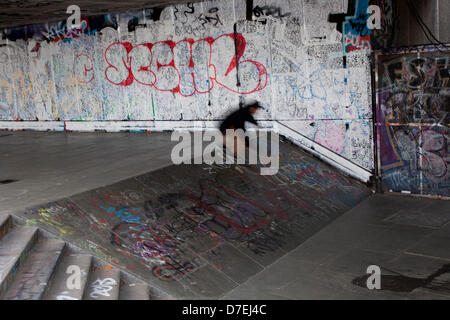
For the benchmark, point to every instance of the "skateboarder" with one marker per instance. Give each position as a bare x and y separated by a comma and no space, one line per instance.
237,120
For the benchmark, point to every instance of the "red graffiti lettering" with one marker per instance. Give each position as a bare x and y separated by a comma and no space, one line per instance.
83,68
185,67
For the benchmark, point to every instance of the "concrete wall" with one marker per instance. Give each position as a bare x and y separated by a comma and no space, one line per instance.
434,14
193,63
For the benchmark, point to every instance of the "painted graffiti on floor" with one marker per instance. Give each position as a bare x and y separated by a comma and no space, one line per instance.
164,225
102,287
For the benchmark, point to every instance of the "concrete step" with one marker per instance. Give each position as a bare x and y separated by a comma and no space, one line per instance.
5,225
103,284
64,285
134,291
35,273
14,247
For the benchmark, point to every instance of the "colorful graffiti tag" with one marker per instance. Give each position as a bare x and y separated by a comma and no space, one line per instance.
413,119
172,66
356,34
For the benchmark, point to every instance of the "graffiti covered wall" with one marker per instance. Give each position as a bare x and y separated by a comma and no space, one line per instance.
413,122
196,62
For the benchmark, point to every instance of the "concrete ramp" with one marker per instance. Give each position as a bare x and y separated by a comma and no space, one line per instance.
198,231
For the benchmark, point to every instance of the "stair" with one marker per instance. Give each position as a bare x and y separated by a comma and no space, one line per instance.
34,274
70,278
34,266
5,224
134,291
14,247
103,285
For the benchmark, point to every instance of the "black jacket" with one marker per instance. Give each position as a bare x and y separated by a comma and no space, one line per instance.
237,120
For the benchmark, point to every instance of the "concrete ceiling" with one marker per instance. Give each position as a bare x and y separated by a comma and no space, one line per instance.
22,12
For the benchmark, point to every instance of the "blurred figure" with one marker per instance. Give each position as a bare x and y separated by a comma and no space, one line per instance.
236,121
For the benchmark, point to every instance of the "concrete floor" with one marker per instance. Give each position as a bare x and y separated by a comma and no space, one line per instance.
408,237
54,165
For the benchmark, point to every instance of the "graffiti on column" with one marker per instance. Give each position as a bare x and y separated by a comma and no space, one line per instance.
413,118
